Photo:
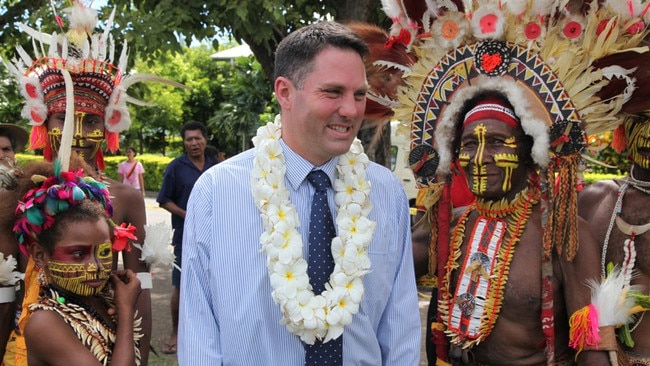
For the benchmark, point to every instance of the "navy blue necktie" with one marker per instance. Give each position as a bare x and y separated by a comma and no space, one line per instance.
321,265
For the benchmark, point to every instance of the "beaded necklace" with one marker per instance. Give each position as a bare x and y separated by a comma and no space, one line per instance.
470,312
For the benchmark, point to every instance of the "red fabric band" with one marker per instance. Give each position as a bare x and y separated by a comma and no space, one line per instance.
492,109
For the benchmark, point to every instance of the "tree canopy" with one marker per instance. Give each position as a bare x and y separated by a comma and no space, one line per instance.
153,27
231,99
262,24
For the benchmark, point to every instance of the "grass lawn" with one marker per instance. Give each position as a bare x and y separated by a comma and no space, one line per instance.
162,360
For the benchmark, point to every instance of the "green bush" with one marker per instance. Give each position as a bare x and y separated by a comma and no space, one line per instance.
595,177
154,167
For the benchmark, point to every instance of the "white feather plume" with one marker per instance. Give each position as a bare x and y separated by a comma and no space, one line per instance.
54,48
156,249
8,274
111,49
24,56
628,8
121,64
392,8
108,27
516,7
95,47
82,18
611,300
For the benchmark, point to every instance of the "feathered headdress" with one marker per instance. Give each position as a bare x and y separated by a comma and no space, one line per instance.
556,67
76,71
567,70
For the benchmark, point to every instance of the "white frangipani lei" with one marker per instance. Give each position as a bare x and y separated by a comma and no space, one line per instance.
306,315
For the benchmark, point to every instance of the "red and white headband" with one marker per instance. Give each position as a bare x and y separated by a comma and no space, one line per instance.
492,109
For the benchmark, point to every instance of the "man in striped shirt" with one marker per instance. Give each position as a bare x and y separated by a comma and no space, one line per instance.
244,303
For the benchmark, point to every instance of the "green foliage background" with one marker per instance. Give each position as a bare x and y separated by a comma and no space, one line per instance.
154,166
612,163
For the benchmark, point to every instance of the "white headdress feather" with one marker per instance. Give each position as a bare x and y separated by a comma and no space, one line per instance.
611,300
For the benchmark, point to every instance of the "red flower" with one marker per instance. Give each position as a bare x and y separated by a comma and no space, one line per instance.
636,28
490,61
449,30
488,23
601,27
121,236
532,31
572,29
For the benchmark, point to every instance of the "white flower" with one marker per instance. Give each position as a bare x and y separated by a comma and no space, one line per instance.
355,226
270,131
283,212
288,279
348,191
312,317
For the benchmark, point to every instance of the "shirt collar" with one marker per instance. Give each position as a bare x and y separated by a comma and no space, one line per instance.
298,168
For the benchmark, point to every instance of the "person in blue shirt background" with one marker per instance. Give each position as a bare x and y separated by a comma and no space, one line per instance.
178,180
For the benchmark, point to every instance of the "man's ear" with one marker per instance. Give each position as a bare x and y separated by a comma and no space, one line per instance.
39,254
283,91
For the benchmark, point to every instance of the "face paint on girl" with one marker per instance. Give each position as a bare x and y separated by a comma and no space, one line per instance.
81,269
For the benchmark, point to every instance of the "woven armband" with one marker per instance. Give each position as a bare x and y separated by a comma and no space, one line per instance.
585,333
607,340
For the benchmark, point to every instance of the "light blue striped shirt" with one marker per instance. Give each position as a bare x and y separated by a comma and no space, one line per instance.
227,315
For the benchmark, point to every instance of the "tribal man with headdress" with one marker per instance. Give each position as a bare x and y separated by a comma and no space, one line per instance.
504,89
617,211
75,100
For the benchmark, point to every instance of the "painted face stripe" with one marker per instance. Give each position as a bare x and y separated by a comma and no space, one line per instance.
479,180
